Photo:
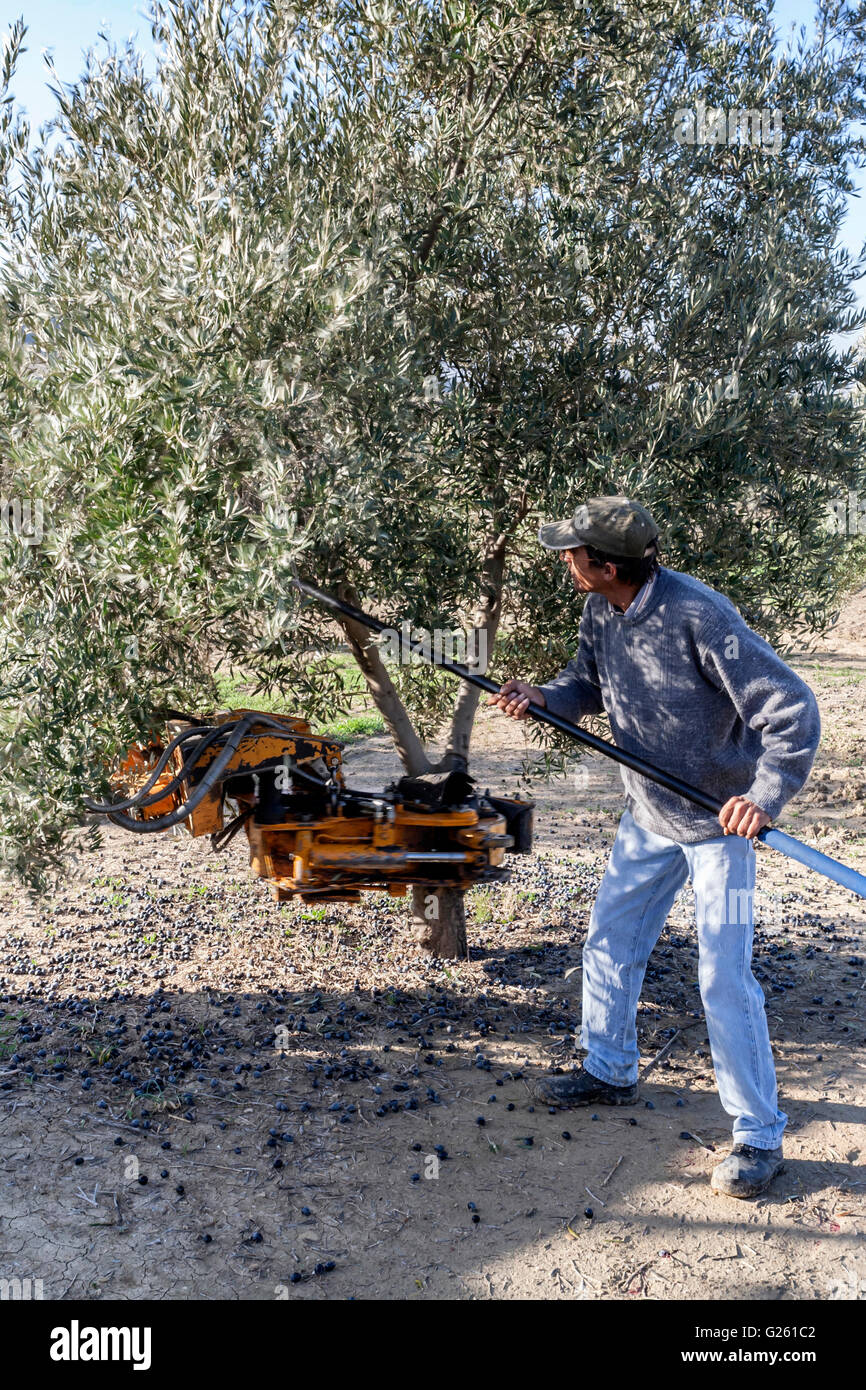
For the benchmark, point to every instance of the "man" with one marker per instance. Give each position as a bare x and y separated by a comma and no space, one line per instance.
691,688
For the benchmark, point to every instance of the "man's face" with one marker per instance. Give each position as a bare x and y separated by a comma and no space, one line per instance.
586,579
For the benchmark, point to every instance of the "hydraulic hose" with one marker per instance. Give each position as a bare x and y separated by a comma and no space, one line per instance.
208,781
105,807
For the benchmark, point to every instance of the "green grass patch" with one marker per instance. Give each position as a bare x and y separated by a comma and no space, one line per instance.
353,727
480,905
847,675
235,690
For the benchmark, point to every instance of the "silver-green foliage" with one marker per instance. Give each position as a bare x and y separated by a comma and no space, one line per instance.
364,288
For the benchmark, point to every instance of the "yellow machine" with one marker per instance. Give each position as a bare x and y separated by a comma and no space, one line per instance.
309,834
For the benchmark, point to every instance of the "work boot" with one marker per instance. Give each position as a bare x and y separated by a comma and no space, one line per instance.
746,1171
582,1088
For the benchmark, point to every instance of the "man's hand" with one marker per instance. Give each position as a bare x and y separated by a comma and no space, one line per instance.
514,698
740,816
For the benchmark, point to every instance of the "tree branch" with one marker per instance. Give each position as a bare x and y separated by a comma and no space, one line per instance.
486,620
459,165
387,701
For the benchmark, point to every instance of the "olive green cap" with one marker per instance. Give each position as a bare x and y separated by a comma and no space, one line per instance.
615,525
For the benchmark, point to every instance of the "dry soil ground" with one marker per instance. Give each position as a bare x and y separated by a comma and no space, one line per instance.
207,1095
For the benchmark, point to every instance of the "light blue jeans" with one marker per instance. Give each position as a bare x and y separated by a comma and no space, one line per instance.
643,876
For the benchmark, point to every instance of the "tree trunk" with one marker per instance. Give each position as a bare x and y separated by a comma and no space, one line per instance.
363,647
486,623
438,914
439,921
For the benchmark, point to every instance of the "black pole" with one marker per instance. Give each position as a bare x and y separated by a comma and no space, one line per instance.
776,839
544,716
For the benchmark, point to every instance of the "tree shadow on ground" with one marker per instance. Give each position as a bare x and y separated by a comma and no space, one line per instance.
299,1128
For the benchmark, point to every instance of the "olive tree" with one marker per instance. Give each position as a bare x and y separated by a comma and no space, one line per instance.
360,290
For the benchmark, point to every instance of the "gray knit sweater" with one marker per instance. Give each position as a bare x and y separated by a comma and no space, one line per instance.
689,686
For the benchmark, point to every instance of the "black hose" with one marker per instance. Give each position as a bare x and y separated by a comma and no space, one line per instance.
206,735
210,779
221,838
140,802
178,739
296,771
207,731
208,738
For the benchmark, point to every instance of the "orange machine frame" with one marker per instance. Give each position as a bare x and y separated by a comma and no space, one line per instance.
335,856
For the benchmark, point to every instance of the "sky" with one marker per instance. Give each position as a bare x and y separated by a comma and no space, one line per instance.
68,27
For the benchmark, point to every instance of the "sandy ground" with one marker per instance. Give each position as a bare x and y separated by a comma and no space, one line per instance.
279,1075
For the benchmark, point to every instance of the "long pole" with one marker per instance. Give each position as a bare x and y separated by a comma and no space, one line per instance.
776,839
